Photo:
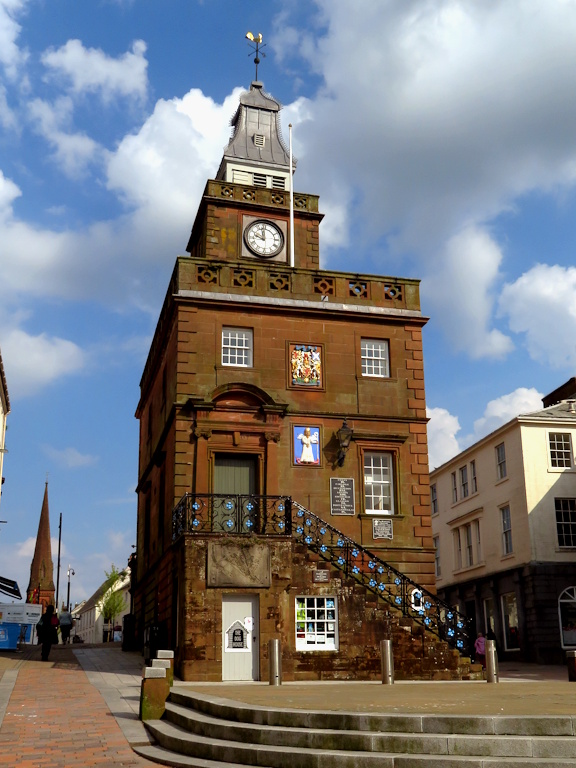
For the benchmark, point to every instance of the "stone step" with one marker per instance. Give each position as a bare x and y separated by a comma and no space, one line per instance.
178,748
200,724
236,711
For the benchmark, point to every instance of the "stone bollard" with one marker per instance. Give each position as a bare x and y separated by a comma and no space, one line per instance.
168,655
153,693
387,662
491,662
275,662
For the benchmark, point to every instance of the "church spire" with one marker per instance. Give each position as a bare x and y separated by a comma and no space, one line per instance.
41,586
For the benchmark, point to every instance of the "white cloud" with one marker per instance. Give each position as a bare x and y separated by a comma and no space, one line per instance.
503,409
465,282
442,441
73,151
11,57
69,458
453,111
541,304
146,169
90,70
33,362
443,427
8,193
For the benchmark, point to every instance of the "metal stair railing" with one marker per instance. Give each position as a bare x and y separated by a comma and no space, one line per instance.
280,515
380,578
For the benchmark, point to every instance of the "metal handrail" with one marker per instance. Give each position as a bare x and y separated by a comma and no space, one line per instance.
381,579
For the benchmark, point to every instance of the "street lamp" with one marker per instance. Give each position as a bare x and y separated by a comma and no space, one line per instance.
344,436
71,572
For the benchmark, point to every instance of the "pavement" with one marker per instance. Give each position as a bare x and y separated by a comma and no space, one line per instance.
81,707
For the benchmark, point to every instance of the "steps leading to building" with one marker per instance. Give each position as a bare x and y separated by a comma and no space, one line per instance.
202,731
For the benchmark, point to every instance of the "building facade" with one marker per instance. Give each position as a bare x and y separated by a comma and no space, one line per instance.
282,416
504,524
91,624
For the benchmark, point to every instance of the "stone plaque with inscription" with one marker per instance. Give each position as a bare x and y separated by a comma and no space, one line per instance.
342,496
320,577
382,529
238,565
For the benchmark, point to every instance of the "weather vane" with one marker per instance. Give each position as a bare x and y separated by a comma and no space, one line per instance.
258,44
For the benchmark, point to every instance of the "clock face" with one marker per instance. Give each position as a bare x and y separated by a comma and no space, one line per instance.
264,238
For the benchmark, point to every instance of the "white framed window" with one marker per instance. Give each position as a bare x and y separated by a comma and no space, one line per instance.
473,479
566,522
316,623
237,346
434,499
463,481
437,566
560,444
500,461
454,488
457,549
375,358
506,530
378,483
467,545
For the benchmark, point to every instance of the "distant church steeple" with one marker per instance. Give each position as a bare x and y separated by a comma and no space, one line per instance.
41,586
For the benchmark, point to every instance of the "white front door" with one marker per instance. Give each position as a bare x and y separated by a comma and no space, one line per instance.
240,637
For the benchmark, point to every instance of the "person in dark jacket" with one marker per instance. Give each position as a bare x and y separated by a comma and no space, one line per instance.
49,631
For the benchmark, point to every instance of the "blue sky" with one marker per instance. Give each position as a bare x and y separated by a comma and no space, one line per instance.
440,136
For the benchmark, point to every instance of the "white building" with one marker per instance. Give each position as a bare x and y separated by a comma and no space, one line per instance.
91,625
504,527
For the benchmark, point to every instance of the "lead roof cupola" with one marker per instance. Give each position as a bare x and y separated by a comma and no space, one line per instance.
256,154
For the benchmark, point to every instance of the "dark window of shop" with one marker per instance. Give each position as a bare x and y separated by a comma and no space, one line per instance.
566,522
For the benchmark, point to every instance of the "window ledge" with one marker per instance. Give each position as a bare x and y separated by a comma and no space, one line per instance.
509,556
501,480
469,568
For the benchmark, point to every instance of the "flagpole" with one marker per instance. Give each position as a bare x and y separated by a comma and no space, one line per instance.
291,202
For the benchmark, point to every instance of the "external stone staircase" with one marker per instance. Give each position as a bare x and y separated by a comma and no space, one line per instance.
202,731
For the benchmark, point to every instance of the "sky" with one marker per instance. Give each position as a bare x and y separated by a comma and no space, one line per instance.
439,134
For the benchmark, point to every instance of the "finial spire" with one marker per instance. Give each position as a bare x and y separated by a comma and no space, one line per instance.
257,40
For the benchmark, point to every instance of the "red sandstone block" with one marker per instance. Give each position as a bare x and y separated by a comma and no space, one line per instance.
418,428
412,344
420,531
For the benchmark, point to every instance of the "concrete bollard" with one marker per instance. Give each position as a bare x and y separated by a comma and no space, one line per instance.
170,656
275,662
163,664
387,661
153,693
491,662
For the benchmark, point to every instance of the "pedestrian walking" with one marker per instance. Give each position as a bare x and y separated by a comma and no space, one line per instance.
48,634
480,648
66,622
